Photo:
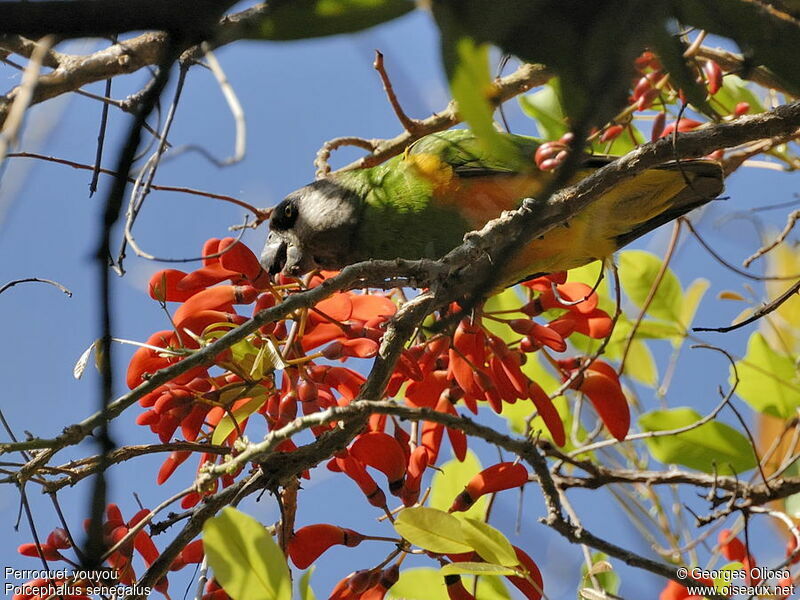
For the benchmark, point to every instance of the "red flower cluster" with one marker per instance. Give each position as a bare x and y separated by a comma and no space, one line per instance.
197,401
288,368
477,366
654,89
115,529
369,584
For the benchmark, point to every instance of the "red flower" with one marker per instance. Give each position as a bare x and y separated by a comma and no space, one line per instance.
601,385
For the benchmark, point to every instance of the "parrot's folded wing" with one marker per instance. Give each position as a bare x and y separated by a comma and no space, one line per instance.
704,182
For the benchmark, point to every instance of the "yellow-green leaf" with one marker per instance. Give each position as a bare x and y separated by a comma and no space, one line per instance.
227,425
603,573
432,529
489,543
640,364
244,558
508,300
304,585
768,380
691,301
637,272
422,583
471,85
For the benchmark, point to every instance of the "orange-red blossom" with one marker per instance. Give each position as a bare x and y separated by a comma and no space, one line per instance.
499,477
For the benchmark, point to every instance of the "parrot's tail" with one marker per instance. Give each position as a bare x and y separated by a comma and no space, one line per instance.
704,182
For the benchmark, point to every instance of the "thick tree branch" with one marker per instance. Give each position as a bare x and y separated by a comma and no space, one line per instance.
71,72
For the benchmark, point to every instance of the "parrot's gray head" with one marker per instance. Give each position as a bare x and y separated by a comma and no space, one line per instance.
312,228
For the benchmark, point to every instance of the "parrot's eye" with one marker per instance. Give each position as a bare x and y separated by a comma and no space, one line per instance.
284,216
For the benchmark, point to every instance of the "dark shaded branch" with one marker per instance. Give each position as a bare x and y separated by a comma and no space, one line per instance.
102,18
95,545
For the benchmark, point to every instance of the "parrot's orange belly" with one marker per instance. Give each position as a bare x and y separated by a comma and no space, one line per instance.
590,235
481,199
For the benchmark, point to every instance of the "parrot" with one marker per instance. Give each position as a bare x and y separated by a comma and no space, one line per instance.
420,204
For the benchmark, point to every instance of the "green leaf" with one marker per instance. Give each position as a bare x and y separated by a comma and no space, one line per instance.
245,559
768,381
735,90
544,107
304,586
490,588
637,272
432,529
466,60
603,572
691,301
489,543
640,364
536,371
428,584
227,425
419,584
792,506
698,448
301,19
450,481
657,330
475,568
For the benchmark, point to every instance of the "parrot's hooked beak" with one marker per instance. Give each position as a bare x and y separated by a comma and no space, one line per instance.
282,255
273,256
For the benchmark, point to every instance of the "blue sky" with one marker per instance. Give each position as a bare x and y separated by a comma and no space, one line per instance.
295,96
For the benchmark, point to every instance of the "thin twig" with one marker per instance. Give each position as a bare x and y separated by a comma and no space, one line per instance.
95,545
237,112
11,284
24,98
757,314
101,137
409,124
730,266
261,215
790,222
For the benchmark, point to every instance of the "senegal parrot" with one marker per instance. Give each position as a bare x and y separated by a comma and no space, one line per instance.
420,205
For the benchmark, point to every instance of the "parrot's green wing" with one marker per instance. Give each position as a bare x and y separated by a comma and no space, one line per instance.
468,155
